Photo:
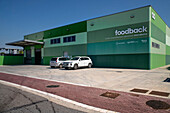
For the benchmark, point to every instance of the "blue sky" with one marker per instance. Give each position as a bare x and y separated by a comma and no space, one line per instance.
22,17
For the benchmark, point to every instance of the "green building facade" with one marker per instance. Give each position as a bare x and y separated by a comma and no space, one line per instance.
136,38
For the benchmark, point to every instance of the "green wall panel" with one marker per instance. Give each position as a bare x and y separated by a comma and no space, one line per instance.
81,38
35,46
119,19
158,21
167,36
157,60
35,36
27,47
1,60
168,40
13,60
38,46
33,60
167,50
167,59
66,30
157,33
72,50
167,30
121,61
46,60
119,33
161,50
130,46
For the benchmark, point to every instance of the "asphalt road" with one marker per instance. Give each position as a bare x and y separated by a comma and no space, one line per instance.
13,100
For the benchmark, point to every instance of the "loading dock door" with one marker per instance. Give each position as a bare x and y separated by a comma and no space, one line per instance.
37,56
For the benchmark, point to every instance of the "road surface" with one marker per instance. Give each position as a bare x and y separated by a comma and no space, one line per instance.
13,100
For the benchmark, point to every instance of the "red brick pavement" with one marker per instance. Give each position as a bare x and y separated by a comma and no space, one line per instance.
125,102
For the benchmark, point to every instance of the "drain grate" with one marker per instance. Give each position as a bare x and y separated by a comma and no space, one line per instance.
139,90
110,95
159,93
157,104
167,80
52,86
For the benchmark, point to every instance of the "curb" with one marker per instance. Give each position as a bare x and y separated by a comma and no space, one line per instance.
60,100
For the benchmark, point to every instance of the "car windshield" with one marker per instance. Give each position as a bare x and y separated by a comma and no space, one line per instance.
75,58
62,59
53,59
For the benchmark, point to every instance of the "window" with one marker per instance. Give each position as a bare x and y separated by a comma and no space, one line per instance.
75,58
52,41
58,40
55,41
62,59
65,39
69,39
73,38
155,45
53,59
81,58
86,58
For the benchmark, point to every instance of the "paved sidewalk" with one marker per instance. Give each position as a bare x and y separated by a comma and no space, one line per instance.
125,102
106,78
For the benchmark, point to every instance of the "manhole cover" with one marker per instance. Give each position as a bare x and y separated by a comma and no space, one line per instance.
159,93
139,90
157,104
110,95
167,80
52,86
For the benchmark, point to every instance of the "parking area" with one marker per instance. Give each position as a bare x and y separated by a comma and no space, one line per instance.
106,78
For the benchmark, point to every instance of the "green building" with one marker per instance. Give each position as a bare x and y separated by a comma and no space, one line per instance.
136,38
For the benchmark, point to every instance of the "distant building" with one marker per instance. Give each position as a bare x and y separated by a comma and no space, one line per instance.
10,51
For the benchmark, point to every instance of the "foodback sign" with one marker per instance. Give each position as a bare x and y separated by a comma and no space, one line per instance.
142,29
130,31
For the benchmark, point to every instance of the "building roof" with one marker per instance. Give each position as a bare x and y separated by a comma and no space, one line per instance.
25,42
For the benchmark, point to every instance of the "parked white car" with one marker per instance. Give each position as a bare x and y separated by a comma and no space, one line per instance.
57,62
77,62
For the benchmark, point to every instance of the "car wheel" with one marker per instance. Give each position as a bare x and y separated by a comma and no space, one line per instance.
52,67
60,66
89,66
75,67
